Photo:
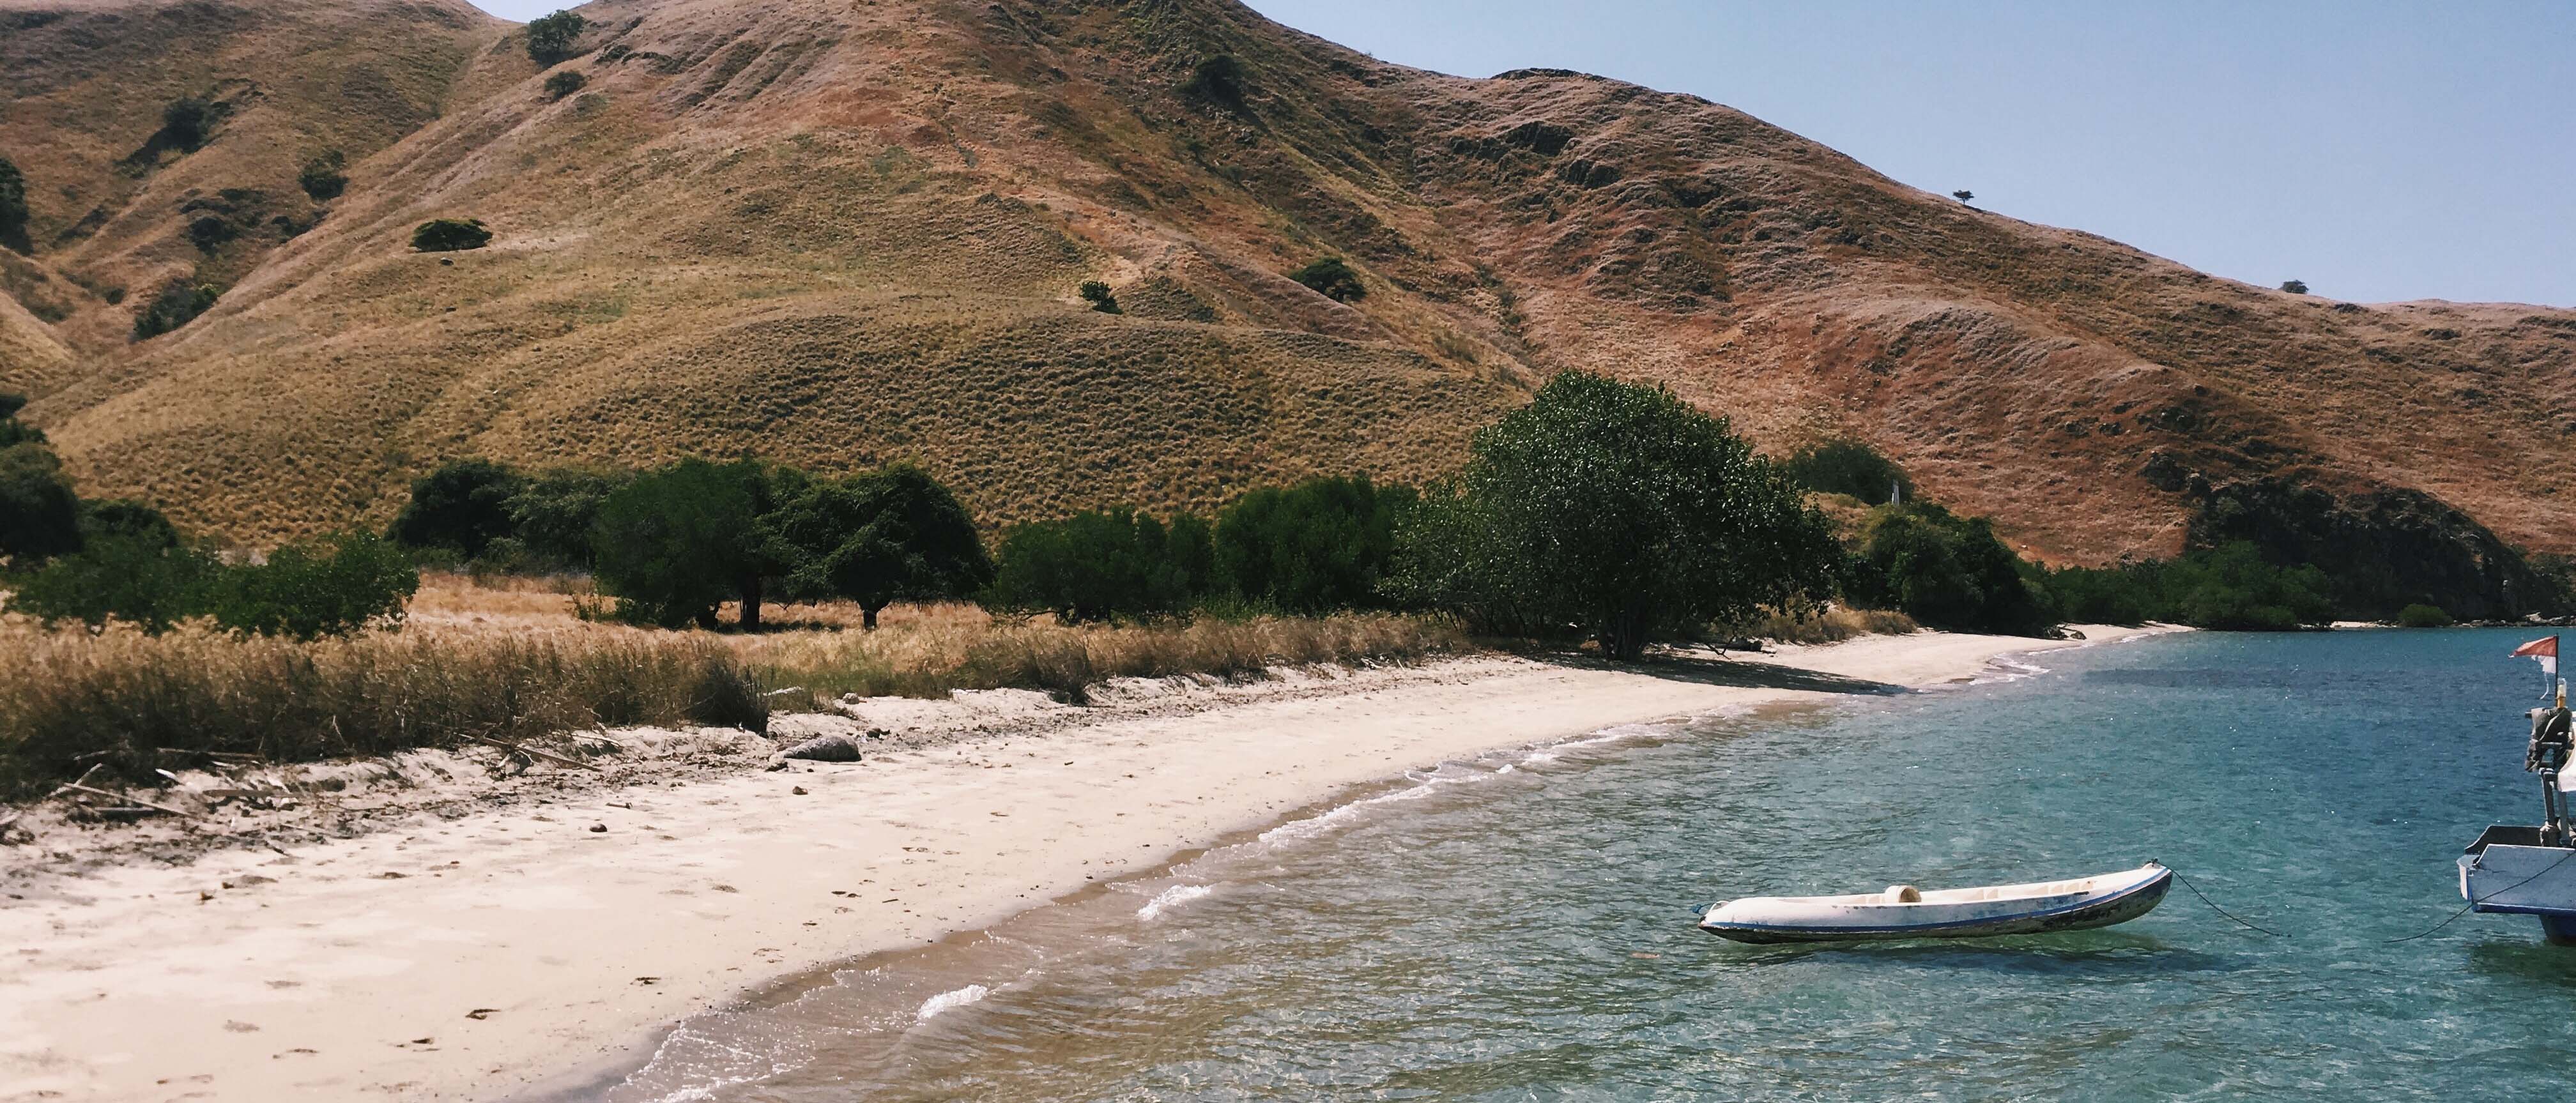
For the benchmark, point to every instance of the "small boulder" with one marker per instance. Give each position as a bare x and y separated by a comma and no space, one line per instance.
826,748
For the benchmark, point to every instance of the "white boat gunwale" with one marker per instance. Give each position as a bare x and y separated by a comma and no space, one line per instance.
2151,881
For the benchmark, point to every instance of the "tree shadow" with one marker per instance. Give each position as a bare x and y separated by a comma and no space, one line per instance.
1720,671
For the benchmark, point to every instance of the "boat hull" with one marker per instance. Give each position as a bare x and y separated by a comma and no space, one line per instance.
1778,920
2509,872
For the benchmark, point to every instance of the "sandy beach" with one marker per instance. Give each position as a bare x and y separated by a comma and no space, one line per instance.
485,953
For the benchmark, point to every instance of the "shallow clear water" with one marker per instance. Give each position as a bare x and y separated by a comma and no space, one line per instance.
1520,927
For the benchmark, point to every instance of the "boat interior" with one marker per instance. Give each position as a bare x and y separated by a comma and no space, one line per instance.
1908,894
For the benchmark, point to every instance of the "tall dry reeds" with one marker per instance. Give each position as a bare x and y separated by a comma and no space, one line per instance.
1831,624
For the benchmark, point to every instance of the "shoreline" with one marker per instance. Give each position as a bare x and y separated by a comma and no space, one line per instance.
538,947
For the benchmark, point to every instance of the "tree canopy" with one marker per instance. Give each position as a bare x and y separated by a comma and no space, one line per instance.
893,534
1616,511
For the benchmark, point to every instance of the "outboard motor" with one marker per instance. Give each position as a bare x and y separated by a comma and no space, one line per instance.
2550,746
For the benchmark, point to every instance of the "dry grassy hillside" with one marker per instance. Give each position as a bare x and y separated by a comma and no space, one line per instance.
840,233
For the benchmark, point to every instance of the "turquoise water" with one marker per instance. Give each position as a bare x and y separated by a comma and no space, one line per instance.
1519,927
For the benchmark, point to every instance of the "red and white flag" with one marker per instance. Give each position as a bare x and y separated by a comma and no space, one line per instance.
2544,649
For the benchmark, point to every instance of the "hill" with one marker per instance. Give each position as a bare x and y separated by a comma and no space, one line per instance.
834,234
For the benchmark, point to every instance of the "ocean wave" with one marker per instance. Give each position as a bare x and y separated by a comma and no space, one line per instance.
1170,898
950,1001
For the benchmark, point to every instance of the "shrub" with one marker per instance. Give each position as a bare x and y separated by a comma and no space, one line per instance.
13,206
187,122
1097,294
1332,278
2420,615
462,506
1217,80
1963,195
39,512
889,535
118,518
551,37
2233,587
177,305
1946,571
330,588
2295,287
136,579
1618,511
565,83
448,235
672,545
13,431
1322,545
1848,467
209,232
1100,565
323,177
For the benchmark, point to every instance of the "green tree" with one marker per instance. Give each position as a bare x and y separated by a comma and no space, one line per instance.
1103,564
462,505
1332,278
448,235
177,305
187,122
551,37
1617,511
325,176
2295,287
13,206
124,519
672,545
2233,587
1098,295
1321,545
1848,467
12,430
1947,571
553,514
2420,615
39,511
893,534
331,587
565,83
126,576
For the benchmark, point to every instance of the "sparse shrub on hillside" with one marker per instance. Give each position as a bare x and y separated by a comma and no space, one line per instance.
565,83
2420,615
177,305
551,37
39,511
2295,287
1332,278
187,123
885,536
1944,570
1616,511
1848,467
447,235
209,232
1321,545
325,176
463,506
1963,195
1104,564
1218,80
13,206
676,543
1097,294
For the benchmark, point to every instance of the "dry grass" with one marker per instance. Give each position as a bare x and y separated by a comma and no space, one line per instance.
513,662
1833,624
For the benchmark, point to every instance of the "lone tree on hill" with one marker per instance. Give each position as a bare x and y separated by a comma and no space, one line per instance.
1332,278
1963,195
1098,295
448,235
1617,511
187,122
324,177
551,37
2295,287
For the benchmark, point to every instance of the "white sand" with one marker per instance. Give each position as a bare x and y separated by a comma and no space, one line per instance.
355,969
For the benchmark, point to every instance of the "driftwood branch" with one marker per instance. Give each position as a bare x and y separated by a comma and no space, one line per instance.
129,799
531,752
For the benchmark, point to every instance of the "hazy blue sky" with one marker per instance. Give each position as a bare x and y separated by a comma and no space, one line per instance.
2377,150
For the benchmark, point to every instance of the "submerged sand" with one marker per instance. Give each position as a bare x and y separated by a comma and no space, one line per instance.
474,954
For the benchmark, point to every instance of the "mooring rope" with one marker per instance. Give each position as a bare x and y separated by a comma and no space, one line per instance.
2475,901
2213,906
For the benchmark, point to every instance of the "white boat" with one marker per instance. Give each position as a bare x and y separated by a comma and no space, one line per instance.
1903,911
2514,869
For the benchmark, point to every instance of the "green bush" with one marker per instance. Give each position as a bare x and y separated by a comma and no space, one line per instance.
1097,294
2295,287
2420,615
324,177
333,587
187,122
448,235
39,511
13,206
1945,571
1321,545
894,534
1332,278
1616,511
565,83
1848,467
133,578
551,37
1217,79
1103,565
463,506
2231,587
121,519
553,514
177,305
676,543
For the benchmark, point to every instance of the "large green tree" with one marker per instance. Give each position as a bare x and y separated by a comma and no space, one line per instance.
1101,564
462,505
675,543
1945,570
1616,511
893,534
1315,547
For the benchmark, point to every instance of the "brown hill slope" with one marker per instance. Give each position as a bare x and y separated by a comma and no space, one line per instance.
834,234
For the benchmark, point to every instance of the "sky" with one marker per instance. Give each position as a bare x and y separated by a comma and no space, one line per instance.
2376,150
